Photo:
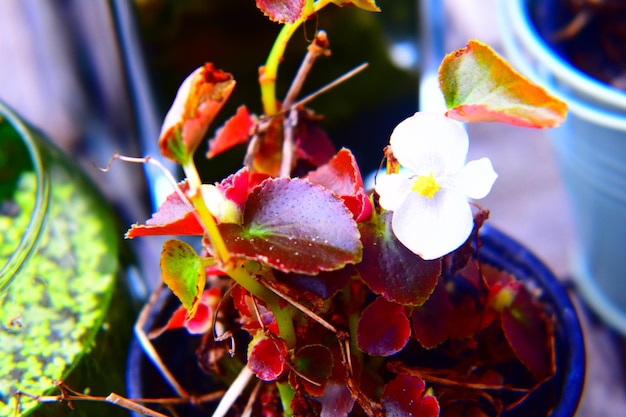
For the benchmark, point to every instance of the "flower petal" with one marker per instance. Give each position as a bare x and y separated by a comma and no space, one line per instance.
428,143
476,178
392,189
434,227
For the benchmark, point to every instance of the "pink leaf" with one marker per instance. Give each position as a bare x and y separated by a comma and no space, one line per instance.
282,11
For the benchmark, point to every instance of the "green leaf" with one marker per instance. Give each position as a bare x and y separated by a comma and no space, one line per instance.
295,226
182,271
480,86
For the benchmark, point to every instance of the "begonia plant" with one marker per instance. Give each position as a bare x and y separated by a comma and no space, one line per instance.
343,295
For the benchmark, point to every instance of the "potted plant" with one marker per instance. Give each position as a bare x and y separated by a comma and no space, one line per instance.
574,50
306,294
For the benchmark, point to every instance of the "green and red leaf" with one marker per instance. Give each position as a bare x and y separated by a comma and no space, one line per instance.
383,328
480,86
295,226
183,272
390,269
198,100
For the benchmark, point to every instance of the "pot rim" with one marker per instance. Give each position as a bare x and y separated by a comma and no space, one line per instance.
31,234
520,37
520,261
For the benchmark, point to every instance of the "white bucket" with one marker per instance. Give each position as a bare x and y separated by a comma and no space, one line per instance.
591,148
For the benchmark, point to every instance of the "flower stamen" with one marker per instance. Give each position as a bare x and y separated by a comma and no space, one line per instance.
425,185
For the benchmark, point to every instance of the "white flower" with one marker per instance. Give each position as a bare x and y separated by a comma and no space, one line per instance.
429,197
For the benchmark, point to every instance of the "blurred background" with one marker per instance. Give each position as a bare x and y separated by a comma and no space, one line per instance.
98,76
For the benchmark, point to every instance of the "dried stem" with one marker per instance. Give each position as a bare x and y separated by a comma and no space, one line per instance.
70,395
233,392
299,306
317,48
148,347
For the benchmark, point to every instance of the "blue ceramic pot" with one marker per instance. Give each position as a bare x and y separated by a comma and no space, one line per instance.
565,389
559,397
590,147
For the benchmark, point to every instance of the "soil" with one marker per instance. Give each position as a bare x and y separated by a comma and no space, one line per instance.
592,35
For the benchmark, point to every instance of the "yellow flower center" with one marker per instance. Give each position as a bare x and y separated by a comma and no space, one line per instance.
425,185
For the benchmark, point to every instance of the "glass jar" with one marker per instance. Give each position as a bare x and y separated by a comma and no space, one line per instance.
60,267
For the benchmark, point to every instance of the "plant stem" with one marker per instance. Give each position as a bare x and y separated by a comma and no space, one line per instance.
286,395
204,215
269,72
273,302
237,273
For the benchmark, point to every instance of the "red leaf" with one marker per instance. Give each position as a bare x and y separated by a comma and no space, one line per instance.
174,217
315,362
525,328
324,285
431,321
235,131
383,328
201,322
312,142
237,186
281,11
341,175
405,396
267,357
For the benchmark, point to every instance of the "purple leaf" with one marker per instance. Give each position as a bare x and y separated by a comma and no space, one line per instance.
390,269
295,226
383,328
405,396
